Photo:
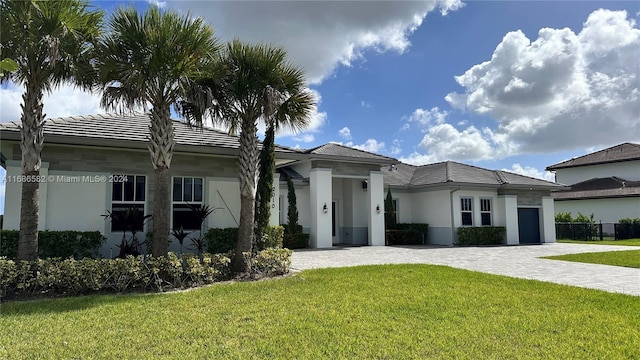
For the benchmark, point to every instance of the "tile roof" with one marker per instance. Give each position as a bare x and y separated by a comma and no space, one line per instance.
622,152
609,187
333,149
450,172
130,128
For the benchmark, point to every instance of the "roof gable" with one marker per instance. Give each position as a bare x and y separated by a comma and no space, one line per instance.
622,152
337,150
450,172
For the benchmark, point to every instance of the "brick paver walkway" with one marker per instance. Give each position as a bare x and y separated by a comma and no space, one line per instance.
515,261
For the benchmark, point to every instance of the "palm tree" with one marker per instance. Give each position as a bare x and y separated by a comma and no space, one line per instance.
50,41
151,59
253,82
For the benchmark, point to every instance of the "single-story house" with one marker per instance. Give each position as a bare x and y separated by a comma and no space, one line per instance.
92,165
448,195
605,183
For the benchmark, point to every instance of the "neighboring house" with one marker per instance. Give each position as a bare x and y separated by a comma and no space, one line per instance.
605,183
340,190
448,195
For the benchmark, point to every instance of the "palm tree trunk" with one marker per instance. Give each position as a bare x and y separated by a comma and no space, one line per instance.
247,170
32,132
161,148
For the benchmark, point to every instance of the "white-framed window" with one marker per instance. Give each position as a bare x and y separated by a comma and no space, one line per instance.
485,212
187,191
395,207
466,209
128,193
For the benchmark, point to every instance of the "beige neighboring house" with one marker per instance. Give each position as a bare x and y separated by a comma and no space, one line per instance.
605,183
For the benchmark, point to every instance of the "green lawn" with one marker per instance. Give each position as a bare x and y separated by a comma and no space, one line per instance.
371,312
627,242
627,258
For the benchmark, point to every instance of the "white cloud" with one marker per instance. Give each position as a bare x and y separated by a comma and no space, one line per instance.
63,101
306,138
531,172
319,36
345,133
396,148
563,90
371,145
365,104
425,118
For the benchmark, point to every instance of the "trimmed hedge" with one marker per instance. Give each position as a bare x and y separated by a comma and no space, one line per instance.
295,241
51,244
402,237
226,240
628,229
485,235
58,276
221,240
55,277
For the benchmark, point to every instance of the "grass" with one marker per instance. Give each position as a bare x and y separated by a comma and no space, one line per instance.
369,312
627,258
627,242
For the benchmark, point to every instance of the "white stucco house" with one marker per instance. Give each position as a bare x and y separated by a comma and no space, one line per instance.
605,183
448,195
96,164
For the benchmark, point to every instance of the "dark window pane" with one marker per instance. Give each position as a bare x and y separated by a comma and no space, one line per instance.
197,189
466,219
187,189
127,217
486,219
129,189
177,189
185,218
140,182
116,193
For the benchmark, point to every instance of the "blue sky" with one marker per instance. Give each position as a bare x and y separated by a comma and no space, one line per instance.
512,85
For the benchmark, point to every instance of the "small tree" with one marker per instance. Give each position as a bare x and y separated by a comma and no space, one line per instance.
292,212
389,211
265,183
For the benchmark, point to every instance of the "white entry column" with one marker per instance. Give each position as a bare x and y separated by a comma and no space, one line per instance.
510,206
320,202
376,208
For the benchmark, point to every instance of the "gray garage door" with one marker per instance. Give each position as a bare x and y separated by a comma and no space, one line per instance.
528,226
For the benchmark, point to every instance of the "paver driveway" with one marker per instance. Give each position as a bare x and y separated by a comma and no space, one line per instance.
515,261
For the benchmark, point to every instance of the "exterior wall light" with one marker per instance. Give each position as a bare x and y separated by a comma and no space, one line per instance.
378,209
325,209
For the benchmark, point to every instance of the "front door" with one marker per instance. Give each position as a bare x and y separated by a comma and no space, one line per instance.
528,226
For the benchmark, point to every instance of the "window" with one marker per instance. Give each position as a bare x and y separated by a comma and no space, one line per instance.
187,191
485,211
127,202
466,207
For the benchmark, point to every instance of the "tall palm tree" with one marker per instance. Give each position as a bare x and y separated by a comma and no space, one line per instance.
50,41
150,59
255,82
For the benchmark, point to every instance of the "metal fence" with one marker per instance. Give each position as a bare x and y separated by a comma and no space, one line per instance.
600,231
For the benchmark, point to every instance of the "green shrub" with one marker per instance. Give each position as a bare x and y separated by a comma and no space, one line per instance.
271,262
72,277
402,237
295,241
628,229
221,240
485,235
297,229
63,244
273,237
